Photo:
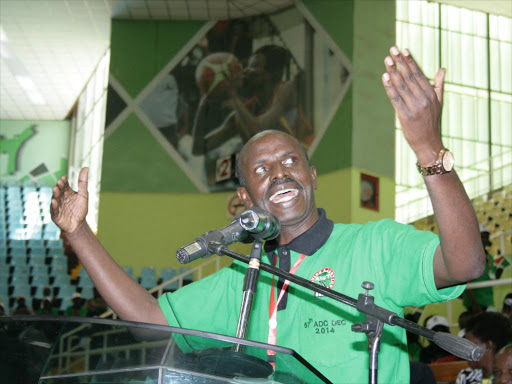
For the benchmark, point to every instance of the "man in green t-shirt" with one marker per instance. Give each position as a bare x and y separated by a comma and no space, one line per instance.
408,267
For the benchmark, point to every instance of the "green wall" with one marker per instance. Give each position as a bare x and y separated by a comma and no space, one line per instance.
373,138
141,229
134,160
140,49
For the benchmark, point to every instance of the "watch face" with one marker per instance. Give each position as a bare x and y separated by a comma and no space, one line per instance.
448,161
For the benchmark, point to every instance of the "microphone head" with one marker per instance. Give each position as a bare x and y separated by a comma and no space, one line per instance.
192,251
182,256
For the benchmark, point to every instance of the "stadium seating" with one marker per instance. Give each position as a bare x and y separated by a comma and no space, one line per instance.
87,293
167,273
148,281
31,251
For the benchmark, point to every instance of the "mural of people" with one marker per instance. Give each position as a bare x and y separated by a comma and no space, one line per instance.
243,76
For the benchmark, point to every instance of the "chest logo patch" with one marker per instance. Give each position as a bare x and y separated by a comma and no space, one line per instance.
324,277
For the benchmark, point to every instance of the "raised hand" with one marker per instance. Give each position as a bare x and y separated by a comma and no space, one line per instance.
417,103
69,208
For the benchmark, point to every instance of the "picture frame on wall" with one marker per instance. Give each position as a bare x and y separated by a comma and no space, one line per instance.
369,192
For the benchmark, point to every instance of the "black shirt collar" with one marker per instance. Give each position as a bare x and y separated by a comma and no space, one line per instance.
310,241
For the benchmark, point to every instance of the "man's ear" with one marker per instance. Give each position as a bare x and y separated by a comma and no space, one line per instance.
244,196
312,170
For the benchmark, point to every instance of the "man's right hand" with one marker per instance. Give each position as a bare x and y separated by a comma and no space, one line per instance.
68,207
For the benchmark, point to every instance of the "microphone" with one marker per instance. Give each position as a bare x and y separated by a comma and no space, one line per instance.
252,224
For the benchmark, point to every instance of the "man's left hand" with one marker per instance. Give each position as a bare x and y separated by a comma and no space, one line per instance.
417,103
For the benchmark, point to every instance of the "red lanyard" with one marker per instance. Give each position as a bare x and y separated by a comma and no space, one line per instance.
272,307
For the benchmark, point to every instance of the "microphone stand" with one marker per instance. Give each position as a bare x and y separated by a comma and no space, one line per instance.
375,317
250,283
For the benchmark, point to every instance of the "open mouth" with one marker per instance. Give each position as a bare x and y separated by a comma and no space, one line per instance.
284,195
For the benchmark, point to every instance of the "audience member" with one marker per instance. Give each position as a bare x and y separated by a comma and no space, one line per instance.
47,308
21,307
45,305
2,308
502,368
491,331
77,308
433,353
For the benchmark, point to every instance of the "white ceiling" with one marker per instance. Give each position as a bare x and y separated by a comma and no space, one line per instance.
49,48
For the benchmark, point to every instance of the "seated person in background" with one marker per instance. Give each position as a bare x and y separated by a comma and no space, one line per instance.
47,308
502,367
507,306
21,307
2,308
433,353
77,308
46,301
491,331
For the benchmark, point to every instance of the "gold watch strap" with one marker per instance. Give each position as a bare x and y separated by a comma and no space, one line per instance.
436,168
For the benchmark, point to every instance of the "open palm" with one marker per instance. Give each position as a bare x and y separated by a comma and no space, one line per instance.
69,207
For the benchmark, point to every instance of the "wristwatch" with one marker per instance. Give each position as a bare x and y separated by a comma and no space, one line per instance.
443,164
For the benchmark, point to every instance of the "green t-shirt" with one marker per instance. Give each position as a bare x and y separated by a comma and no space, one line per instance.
397,258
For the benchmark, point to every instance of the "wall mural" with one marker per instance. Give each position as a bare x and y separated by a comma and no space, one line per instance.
33,151
239,77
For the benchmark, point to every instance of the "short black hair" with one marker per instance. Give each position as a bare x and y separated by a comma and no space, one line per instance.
491,326
238,164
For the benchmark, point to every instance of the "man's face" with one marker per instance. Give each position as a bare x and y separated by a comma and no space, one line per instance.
502,371
279,179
